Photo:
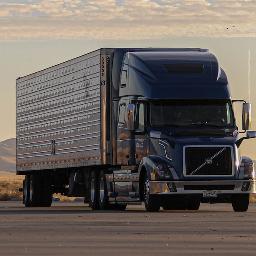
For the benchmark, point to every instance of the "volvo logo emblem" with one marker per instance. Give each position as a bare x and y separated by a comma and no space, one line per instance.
208,161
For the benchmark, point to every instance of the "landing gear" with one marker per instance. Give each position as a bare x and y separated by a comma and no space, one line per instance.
152,204
240,202
37,191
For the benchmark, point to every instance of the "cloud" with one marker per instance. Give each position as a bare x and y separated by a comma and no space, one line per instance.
126,19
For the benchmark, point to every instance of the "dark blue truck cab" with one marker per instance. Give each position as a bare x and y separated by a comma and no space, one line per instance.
176,126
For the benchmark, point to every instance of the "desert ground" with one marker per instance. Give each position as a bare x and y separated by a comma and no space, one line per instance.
73,229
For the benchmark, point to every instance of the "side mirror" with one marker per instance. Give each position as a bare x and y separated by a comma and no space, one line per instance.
246,116
131,117
250,134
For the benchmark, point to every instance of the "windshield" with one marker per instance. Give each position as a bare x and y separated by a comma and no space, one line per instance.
214,114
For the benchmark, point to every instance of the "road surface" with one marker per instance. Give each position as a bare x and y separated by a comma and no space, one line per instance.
73,229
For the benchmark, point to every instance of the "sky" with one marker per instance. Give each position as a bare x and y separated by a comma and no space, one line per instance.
35,34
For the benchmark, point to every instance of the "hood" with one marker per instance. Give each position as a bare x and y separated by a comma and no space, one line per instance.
190,152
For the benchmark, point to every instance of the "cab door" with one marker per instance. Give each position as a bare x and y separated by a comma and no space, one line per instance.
123,135
127,144
141,139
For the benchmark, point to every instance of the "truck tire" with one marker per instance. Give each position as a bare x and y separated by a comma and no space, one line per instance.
240,202
40,191
37,191
26,191
46,191
94,191
175,204
103,192
152,204
193,203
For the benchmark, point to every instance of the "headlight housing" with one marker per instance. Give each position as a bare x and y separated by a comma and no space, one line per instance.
248,167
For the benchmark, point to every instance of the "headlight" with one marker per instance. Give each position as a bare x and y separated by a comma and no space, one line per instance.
249,169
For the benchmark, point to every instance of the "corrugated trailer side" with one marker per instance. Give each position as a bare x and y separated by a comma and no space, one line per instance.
59,117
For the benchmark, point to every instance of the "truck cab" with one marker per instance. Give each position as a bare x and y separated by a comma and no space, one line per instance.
176,132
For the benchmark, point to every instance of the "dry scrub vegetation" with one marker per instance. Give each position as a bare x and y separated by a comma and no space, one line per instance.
9,186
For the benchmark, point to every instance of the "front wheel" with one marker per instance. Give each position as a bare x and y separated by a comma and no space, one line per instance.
175,204
240,202
193,203
152,204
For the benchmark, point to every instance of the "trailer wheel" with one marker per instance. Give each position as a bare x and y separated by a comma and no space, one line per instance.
26,191
46,191
37,191
103,192
152,204
94,190
40,190
240,202
193,203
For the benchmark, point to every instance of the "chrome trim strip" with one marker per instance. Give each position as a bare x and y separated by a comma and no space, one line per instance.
163,144
162,188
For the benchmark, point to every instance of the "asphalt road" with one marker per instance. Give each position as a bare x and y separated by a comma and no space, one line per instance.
73,229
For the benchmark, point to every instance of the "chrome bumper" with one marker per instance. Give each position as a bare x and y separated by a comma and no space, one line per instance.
200,187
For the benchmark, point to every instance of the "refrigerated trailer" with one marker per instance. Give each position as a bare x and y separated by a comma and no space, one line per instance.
131,125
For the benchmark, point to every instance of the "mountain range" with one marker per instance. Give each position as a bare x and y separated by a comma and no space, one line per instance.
8,155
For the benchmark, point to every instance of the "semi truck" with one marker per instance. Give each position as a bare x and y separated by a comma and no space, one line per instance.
119,126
